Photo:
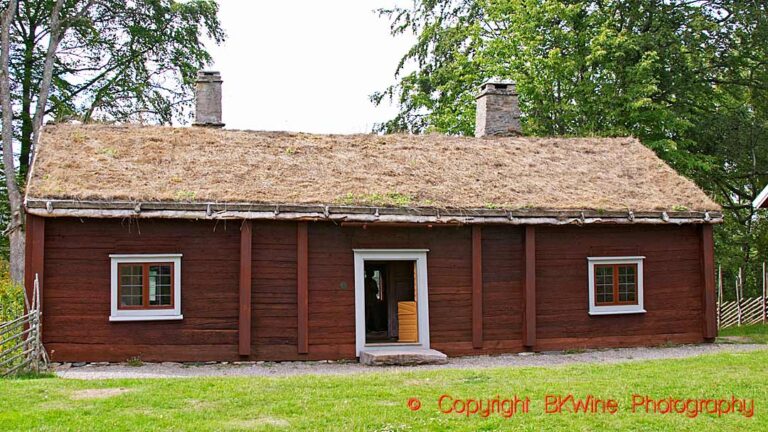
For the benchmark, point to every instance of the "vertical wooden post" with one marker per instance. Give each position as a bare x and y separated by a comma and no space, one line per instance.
477,286
708,277
34,251
765,311
302,295
738,296
246,247
719,295
529,287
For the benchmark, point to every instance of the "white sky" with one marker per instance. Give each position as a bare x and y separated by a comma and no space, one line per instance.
306,65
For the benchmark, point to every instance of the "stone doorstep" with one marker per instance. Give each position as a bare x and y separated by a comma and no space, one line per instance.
402,357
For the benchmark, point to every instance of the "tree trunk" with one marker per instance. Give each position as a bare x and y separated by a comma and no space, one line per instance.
25,140
57,34
17,249
16,225
15,231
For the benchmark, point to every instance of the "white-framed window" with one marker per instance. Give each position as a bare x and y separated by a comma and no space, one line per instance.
146,287
615,285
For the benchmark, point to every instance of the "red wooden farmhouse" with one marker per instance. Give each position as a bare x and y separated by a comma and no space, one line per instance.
200,243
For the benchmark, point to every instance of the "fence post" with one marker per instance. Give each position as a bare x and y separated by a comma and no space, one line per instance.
719,294
738,297
37,325
24,349
765,311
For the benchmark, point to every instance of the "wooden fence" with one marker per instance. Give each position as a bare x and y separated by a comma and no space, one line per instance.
742,311
21,348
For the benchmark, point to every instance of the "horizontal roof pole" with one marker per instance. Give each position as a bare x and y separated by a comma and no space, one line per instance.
352,214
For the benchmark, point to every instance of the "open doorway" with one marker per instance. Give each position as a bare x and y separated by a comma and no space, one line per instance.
391,310
398,289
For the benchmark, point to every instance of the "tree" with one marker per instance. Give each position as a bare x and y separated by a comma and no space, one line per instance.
688,78
12,189
94,60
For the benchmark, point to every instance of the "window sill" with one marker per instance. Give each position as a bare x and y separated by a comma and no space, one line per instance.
146,318
617,312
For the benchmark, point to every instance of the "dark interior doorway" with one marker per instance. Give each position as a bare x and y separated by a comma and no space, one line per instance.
390,302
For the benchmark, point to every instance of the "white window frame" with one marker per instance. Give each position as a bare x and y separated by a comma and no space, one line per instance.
422,300
146,314
595,309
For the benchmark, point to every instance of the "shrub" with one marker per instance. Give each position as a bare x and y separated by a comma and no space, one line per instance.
11,295
11,307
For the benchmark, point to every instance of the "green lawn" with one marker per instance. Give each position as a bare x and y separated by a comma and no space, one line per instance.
756,333
378,401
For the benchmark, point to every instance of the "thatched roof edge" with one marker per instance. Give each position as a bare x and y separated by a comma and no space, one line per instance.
364,214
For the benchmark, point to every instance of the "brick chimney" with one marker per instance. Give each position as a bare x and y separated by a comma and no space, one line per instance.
208,100
498,110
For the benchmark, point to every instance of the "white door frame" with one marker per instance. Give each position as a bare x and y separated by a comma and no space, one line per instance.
417,255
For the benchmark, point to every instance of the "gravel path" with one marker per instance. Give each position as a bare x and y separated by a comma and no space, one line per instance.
275,369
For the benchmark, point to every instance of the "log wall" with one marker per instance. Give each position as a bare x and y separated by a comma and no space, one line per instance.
672,286
76,288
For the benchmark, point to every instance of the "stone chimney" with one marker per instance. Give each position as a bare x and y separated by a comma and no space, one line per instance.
208,100
498,110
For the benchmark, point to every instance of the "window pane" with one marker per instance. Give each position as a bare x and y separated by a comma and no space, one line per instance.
604,284
627,283
160,289
130,285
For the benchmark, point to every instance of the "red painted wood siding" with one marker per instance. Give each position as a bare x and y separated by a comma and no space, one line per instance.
709,297
302,293
245,290
34,252
529,287
477,287
502,290
76,288
672,286
275,318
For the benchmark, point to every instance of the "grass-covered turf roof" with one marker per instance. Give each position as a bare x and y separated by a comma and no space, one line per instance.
167,164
